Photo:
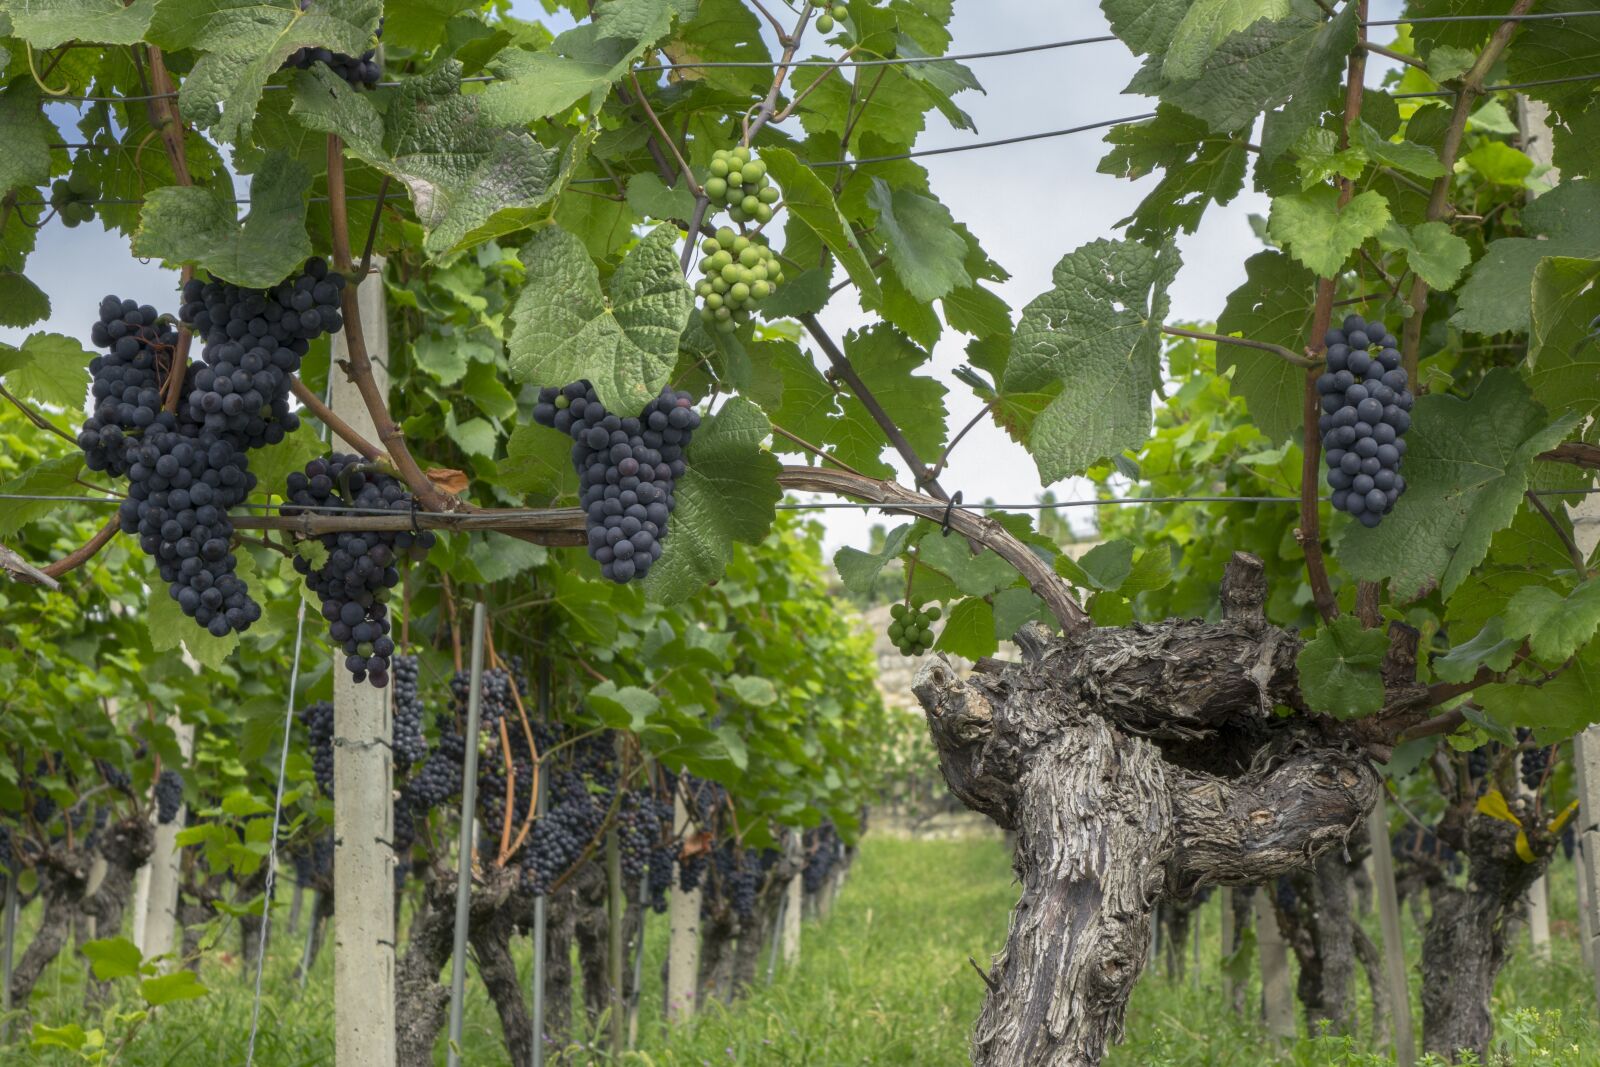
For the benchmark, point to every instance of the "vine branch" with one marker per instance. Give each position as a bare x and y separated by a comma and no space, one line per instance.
1287,355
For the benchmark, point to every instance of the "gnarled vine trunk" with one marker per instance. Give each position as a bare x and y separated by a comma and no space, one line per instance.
559,921
63,879
1313,912
125,846
1464,945
491,944
1135,765
720,932
747,956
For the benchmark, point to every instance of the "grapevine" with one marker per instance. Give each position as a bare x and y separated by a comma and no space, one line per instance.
911,629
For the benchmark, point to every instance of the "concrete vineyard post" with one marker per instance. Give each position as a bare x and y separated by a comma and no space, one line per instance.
683,918
1394,948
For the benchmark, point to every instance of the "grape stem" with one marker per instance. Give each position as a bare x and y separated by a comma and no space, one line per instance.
1578,453
814,450
684,169
791,44
1390,53
1573,552
1471,87
37,419
332,421
1285,354
359,365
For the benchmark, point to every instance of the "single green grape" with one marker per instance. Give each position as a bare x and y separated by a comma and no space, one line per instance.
825,23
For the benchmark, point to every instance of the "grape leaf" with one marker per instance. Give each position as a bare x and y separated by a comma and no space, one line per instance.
113,957
51,23
50,478
1563,354
1436,254
1341,669
1318,232
649,196
26,134
1559,708
1094,338
1466,468
1201,168
566,327
244,42
170,629
170,988
1015,607
927,253
419,24
1555,625
1499,163
1496,297
194,225
1206,24
1105,566
859,570
1489,647
22,303
50,368
975,575
811,202
470,180
1275,304
1145,26
884,359
1260,67
1407,156
727,495
969,631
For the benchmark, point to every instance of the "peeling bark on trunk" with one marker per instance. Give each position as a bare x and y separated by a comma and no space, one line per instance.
1313,913
1464,946
559,921
491,943
1135,765
63,879
1244,917
1377,983
719,932
421,1000
126,846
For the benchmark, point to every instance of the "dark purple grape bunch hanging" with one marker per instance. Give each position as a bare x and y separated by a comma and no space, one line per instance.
361,567
627,470
1366,411
361,72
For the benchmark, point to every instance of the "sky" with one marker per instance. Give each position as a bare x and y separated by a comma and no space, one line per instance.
1028,205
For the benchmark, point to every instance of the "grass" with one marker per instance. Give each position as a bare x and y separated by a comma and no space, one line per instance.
885,981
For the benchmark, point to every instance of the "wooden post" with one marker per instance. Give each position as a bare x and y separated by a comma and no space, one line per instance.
683,921
1277,999
1394,947
469,824
363,809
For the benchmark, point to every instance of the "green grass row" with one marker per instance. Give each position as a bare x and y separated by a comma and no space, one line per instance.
884,981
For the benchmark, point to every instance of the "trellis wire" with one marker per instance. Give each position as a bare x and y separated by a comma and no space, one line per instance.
272,847
469,804
1481,18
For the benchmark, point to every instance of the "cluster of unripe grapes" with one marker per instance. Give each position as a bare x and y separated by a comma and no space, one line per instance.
1366,410
738,271
73,198
739,182
831,12
911,629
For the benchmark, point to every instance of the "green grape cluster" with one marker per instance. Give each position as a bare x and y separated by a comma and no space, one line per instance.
738,271
73,198
831,12
739,182
911,629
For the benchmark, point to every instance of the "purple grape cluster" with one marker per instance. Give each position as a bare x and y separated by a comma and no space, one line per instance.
183,475
1366,410
169,796
627,468
410,744
361,72
824,849
353,582
318,721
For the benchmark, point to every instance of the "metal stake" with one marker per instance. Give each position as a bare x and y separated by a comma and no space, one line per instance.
469,805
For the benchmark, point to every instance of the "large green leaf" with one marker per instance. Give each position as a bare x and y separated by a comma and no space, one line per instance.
979,575
51,478
52,23
1559,708
22,303
1341,669
1563,352
243,43
1437,255
1496,297
927,253
1095,339
469,178
567,327
859,570
26,134
1466,468
50,368
1275,304
199,226
1555,625
1321,234
584,60
727,495
810,201
1201,168
885,360
1206,24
